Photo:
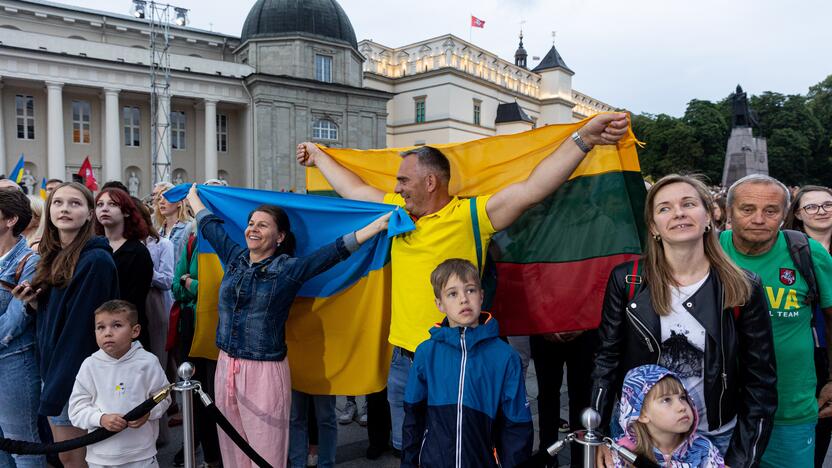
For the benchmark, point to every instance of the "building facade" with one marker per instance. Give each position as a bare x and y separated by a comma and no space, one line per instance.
447,89
75,83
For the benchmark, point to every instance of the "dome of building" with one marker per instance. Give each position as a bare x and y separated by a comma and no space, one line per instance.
323,19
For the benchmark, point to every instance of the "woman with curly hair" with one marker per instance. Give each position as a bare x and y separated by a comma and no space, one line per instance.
117,218
172,220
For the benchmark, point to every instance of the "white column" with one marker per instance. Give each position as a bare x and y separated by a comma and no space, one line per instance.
248,160
2,136
210,139
112,136
55,153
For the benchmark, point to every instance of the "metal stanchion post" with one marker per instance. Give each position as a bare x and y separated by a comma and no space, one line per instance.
590,419
186,387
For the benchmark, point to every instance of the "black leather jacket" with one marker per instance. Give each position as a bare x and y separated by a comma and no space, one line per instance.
740,376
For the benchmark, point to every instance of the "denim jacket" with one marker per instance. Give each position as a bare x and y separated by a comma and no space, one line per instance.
17,328
254,299
178,235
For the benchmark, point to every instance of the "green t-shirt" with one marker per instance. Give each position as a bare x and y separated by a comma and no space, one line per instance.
791,316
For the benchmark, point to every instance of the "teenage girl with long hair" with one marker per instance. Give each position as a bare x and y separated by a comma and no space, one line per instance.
75,275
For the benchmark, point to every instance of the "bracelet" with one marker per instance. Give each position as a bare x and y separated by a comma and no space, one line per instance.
580,143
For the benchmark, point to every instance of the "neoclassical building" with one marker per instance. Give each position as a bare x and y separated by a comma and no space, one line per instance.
76,84
447,89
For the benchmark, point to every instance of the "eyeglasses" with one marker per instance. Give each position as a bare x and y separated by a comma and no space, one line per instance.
813,209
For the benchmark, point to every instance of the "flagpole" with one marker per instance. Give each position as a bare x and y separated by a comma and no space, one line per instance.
470,26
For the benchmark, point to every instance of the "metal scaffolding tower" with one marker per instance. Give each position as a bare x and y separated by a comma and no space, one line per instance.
158,16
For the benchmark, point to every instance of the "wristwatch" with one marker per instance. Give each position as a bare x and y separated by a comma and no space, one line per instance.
580,143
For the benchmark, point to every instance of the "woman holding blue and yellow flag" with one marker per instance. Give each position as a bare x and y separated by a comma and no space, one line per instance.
259,286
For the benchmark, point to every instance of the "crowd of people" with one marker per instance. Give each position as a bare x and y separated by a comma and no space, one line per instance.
711,349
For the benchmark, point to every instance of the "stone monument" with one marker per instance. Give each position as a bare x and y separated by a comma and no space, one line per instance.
745,154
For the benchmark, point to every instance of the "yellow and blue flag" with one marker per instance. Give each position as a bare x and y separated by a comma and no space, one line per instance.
17,173
336,338
43,194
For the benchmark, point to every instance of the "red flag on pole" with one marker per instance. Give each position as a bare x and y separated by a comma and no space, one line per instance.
476,22
86,173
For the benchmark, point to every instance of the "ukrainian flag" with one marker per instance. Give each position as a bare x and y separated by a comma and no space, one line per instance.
337,328
17,173
43,194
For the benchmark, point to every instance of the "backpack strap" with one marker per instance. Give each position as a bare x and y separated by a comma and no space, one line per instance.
801,254
635,280
18,272
475,222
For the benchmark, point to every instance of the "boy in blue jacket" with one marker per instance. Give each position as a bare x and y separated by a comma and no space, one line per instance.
465,401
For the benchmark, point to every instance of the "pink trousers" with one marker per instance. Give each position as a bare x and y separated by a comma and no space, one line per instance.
256,398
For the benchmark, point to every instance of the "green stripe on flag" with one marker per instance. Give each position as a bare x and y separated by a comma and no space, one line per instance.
588,217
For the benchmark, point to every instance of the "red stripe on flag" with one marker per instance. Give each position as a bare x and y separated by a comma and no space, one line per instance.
537,298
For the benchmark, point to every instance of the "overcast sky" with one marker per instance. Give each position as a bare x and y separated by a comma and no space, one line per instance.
645,55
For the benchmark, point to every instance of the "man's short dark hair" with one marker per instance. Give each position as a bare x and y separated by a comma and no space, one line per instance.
53,181
15,203
432,159
117,306
462,269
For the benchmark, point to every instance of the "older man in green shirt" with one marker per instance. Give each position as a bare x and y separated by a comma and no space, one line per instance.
757,205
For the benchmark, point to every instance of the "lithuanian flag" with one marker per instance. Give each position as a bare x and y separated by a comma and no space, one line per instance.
552,264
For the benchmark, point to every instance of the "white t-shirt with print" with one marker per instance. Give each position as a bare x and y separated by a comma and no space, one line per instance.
683,351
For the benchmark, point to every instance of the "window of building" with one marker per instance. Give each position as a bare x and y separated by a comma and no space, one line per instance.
25,111
420,110
131,117
325,129
222,133
323,68
80,122
477,111
177,130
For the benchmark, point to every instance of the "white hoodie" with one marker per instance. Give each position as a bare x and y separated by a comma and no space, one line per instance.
104,386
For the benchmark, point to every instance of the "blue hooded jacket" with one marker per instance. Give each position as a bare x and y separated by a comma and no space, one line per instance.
465,397
66,324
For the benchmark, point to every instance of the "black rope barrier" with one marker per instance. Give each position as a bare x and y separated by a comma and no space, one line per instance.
34,448
220,420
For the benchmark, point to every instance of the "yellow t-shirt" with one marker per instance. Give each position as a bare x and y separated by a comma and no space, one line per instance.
448,233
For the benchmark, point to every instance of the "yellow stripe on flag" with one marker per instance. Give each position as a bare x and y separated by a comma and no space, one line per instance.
486,165
210,273
338,344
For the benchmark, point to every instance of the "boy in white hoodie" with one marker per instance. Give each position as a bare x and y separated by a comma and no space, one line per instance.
111,382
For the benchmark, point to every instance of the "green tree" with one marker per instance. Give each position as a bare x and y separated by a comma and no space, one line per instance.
711,130
789,156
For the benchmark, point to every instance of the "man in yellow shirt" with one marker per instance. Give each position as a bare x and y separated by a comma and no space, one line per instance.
446,227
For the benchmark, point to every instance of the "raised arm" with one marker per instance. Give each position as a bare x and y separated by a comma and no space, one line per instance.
505,206
212,229
347,184
301,269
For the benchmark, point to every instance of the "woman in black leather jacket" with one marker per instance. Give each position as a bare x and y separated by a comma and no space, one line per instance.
686,306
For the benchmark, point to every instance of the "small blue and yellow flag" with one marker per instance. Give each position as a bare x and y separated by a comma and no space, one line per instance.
17,173
43,193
